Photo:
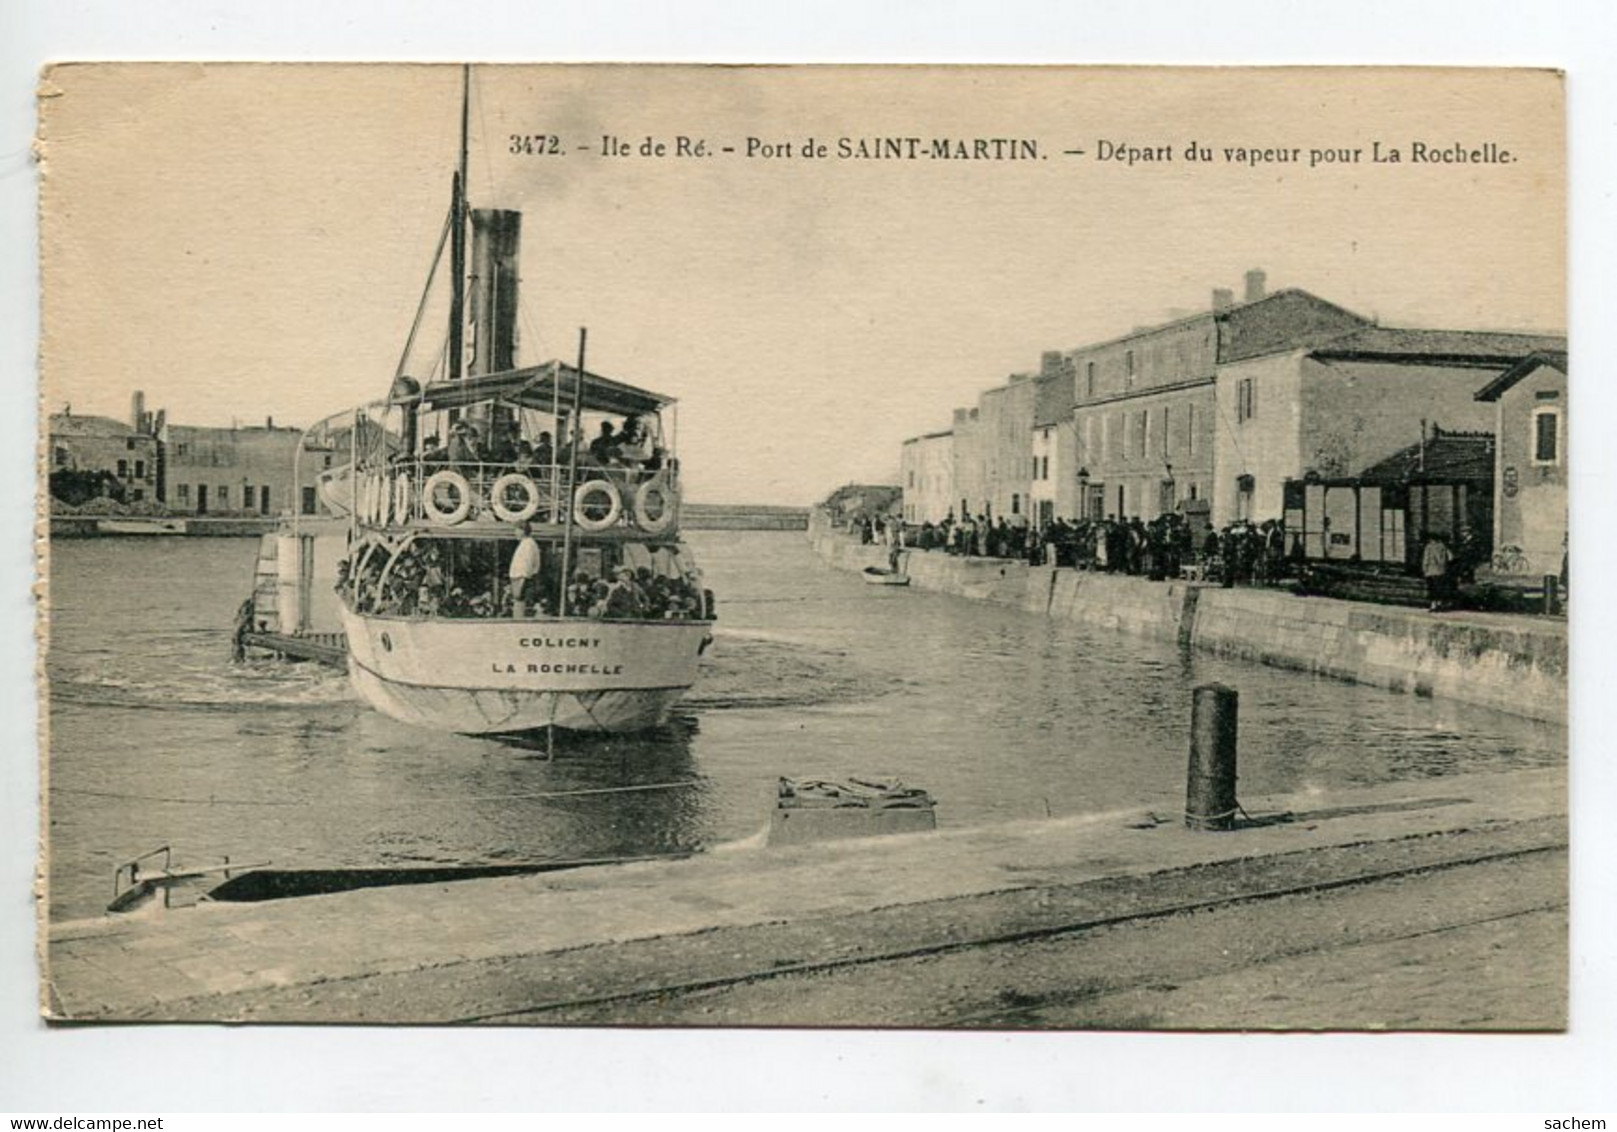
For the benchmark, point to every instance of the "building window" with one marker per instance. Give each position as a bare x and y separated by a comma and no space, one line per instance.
308,501
180,451
1142,433
223,497
264,500
1190,431
1246,399
138,495
63,457
140,469
1089,379
123,469
1546,436
1046,474
182,493
1167,437
247,497
129,444
911,486
1016,504
1128,369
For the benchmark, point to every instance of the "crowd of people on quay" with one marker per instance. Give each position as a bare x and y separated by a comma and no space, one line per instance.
477,579
1165,547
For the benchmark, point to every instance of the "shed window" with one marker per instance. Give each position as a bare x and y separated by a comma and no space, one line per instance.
1546,436
1246,399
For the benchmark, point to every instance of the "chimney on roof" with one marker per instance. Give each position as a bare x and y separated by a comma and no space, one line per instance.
1254,284
1223,298
137,409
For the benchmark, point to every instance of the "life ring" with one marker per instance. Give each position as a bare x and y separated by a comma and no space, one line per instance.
667,506
401,497
367,499
530,497
614,502
429,497
384,500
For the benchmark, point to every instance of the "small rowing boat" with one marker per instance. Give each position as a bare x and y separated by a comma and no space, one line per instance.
881,576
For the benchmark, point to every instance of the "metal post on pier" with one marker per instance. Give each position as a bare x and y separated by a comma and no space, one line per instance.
1210,782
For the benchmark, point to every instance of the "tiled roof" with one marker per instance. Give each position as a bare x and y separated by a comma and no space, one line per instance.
1437,345
1446,456
1556,359
66,424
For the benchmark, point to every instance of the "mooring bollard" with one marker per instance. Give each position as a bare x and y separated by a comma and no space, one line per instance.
1210,784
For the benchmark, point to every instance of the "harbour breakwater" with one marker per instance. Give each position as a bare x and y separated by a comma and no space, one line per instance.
1510,663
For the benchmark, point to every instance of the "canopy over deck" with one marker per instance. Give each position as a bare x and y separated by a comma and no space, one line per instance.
541,387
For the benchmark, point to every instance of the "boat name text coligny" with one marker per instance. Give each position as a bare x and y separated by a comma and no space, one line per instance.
559,643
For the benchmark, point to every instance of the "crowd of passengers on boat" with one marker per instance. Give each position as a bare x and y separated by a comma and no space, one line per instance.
520,579
623,474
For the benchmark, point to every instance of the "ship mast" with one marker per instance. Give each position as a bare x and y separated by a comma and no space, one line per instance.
457,245
572,469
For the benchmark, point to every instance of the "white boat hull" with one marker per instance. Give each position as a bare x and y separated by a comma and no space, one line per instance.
481,677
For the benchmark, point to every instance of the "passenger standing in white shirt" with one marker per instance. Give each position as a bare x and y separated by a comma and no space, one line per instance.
524,572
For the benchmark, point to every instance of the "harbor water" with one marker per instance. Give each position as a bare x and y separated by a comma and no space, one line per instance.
156,738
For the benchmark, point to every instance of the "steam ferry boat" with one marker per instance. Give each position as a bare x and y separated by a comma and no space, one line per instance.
510,559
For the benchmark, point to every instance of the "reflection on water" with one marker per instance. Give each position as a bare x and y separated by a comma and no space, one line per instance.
157,739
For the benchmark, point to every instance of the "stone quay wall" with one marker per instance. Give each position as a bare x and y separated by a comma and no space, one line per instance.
1511,663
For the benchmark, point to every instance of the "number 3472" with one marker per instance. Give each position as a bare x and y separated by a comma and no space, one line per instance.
535,145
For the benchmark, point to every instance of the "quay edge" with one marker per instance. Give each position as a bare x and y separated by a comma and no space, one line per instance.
1345,891
1506,662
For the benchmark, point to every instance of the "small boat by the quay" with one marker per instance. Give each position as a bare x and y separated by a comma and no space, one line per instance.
143,525
881,576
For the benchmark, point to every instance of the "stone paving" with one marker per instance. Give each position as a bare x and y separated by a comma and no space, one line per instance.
156,965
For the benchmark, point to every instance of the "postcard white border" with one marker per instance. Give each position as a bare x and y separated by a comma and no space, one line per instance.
244,1069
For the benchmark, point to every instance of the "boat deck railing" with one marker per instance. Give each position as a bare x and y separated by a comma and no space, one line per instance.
434,493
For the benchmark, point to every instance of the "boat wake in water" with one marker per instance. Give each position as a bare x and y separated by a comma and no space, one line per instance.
200,678
766,671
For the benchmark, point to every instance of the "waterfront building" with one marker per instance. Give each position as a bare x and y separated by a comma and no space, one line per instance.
1220,409
969,466
1529,401
99,452
853,501
926,472
1054,488
1148,405
242,470
1005,424
1334,408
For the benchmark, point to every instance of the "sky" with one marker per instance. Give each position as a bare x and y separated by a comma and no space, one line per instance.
244,241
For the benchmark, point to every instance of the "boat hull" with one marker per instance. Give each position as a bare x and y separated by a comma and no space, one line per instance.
483,677
875,576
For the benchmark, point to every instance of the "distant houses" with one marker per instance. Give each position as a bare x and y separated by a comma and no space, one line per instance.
1223,408
152,465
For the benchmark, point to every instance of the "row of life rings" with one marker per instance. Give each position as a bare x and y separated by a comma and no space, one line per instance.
597,504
